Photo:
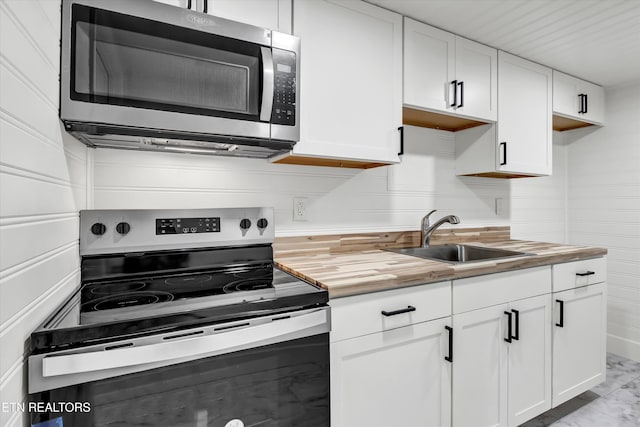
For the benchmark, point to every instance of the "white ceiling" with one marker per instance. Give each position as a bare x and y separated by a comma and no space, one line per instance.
596,40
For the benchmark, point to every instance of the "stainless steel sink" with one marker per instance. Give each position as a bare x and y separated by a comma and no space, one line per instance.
459,253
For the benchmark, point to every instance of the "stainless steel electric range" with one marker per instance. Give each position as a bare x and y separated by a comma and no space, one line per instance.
182,319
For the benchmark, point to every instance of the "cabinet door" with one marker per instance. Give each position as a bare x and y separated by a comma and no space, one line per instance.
565,94
480,368
392,378
429,67
272,14
524,118
594,102
351,80
530,359
476,72
579,346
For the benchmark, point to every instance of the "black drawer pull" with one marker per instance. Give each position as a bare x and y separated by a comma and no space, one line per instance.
517,335
449,358
510,332
561,322
409,309
586,273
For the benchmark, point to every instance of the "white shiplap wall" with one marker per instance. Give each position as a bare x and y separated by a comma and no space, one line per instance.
42,186
339,200
604,208
539,205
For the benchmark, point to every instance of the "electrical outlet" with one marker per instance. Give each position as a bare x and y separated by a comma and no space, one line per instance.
299,208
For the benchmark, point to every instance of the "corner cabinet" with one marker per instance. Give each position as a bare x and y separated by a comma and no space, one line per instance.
579,327
576,103
520,143
388,358
350,84
447,73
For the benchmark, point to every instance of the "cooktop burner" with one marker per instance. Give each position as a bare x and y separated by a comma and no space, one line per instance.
129,299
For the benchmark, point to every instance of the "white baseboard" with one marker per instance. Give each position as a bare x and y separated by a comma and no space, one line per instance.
623,347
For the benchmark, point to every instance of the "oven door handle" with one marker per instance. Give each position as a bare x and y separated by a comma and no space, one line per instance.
267,84
173,348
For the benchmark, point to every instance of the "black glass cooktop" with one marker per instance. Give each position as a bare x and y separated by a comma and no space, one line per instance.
70,327
124,296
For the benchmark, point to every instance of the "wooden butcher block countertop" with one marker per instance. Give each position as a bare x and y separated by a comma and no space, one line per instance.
356,264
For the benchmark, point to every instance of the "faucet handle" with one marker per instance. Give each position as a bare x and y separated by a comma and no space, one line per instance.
425,219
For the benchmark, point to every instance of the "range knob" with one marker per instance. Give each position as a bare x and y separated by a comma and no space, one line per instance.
98,229
245,224
123,227
262,223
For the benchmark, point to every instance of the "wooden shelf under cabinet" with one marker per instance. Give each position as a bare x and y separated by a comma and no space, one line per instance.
428,119
319,161
563,123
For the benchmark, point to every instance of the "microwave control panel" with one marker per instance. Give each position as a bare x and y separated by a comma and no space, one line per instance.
284,93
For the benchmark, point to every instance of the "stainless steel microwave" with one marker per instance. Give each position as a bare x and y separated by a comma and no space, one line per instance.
150,76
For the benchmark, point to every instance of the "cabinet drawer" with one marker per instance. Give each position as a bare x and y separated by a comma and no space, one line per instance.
579,273
484,291
362,314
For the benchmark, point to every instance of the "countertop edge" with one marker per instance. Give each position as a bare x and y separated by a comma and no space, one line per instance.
443,271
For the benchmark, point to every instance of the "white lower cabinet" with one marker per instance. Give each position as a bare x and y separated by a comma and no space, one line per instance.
388,353
397,377
491,350
502,363
579,341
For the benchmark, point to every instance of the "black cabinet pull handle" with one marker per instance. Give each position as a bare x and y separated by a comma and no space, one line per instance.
503,146
509,333
461,84
581,110
455,93
561,322
409,309
449,358
517,335
206,6
586,273
586,103
189,4
401,130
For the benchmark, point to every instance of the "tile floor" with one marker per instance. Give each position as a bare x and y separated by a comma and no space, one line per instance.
614,403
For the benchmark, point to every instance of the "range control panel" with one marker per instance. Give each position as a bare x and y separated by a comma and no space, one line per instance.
141,230
187,225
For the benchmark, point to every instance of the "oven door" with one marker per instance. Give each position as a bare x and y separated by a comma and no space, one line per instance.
149,65
271,371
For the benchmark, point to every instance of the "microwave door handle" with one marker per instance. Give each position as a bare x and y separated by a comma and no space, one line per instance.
267,84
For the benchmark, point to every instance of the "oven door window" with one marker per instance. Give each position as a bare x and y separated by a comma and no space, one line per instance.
124,60
284,384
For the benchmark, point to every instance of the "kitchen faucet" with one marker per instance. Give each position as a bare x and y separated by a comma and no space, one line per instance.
427,229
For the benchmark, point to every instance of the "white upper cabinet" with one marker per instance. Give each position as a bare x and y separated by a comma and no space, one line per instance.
272,14
447,73
520,143
580,101
524,117
350,84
